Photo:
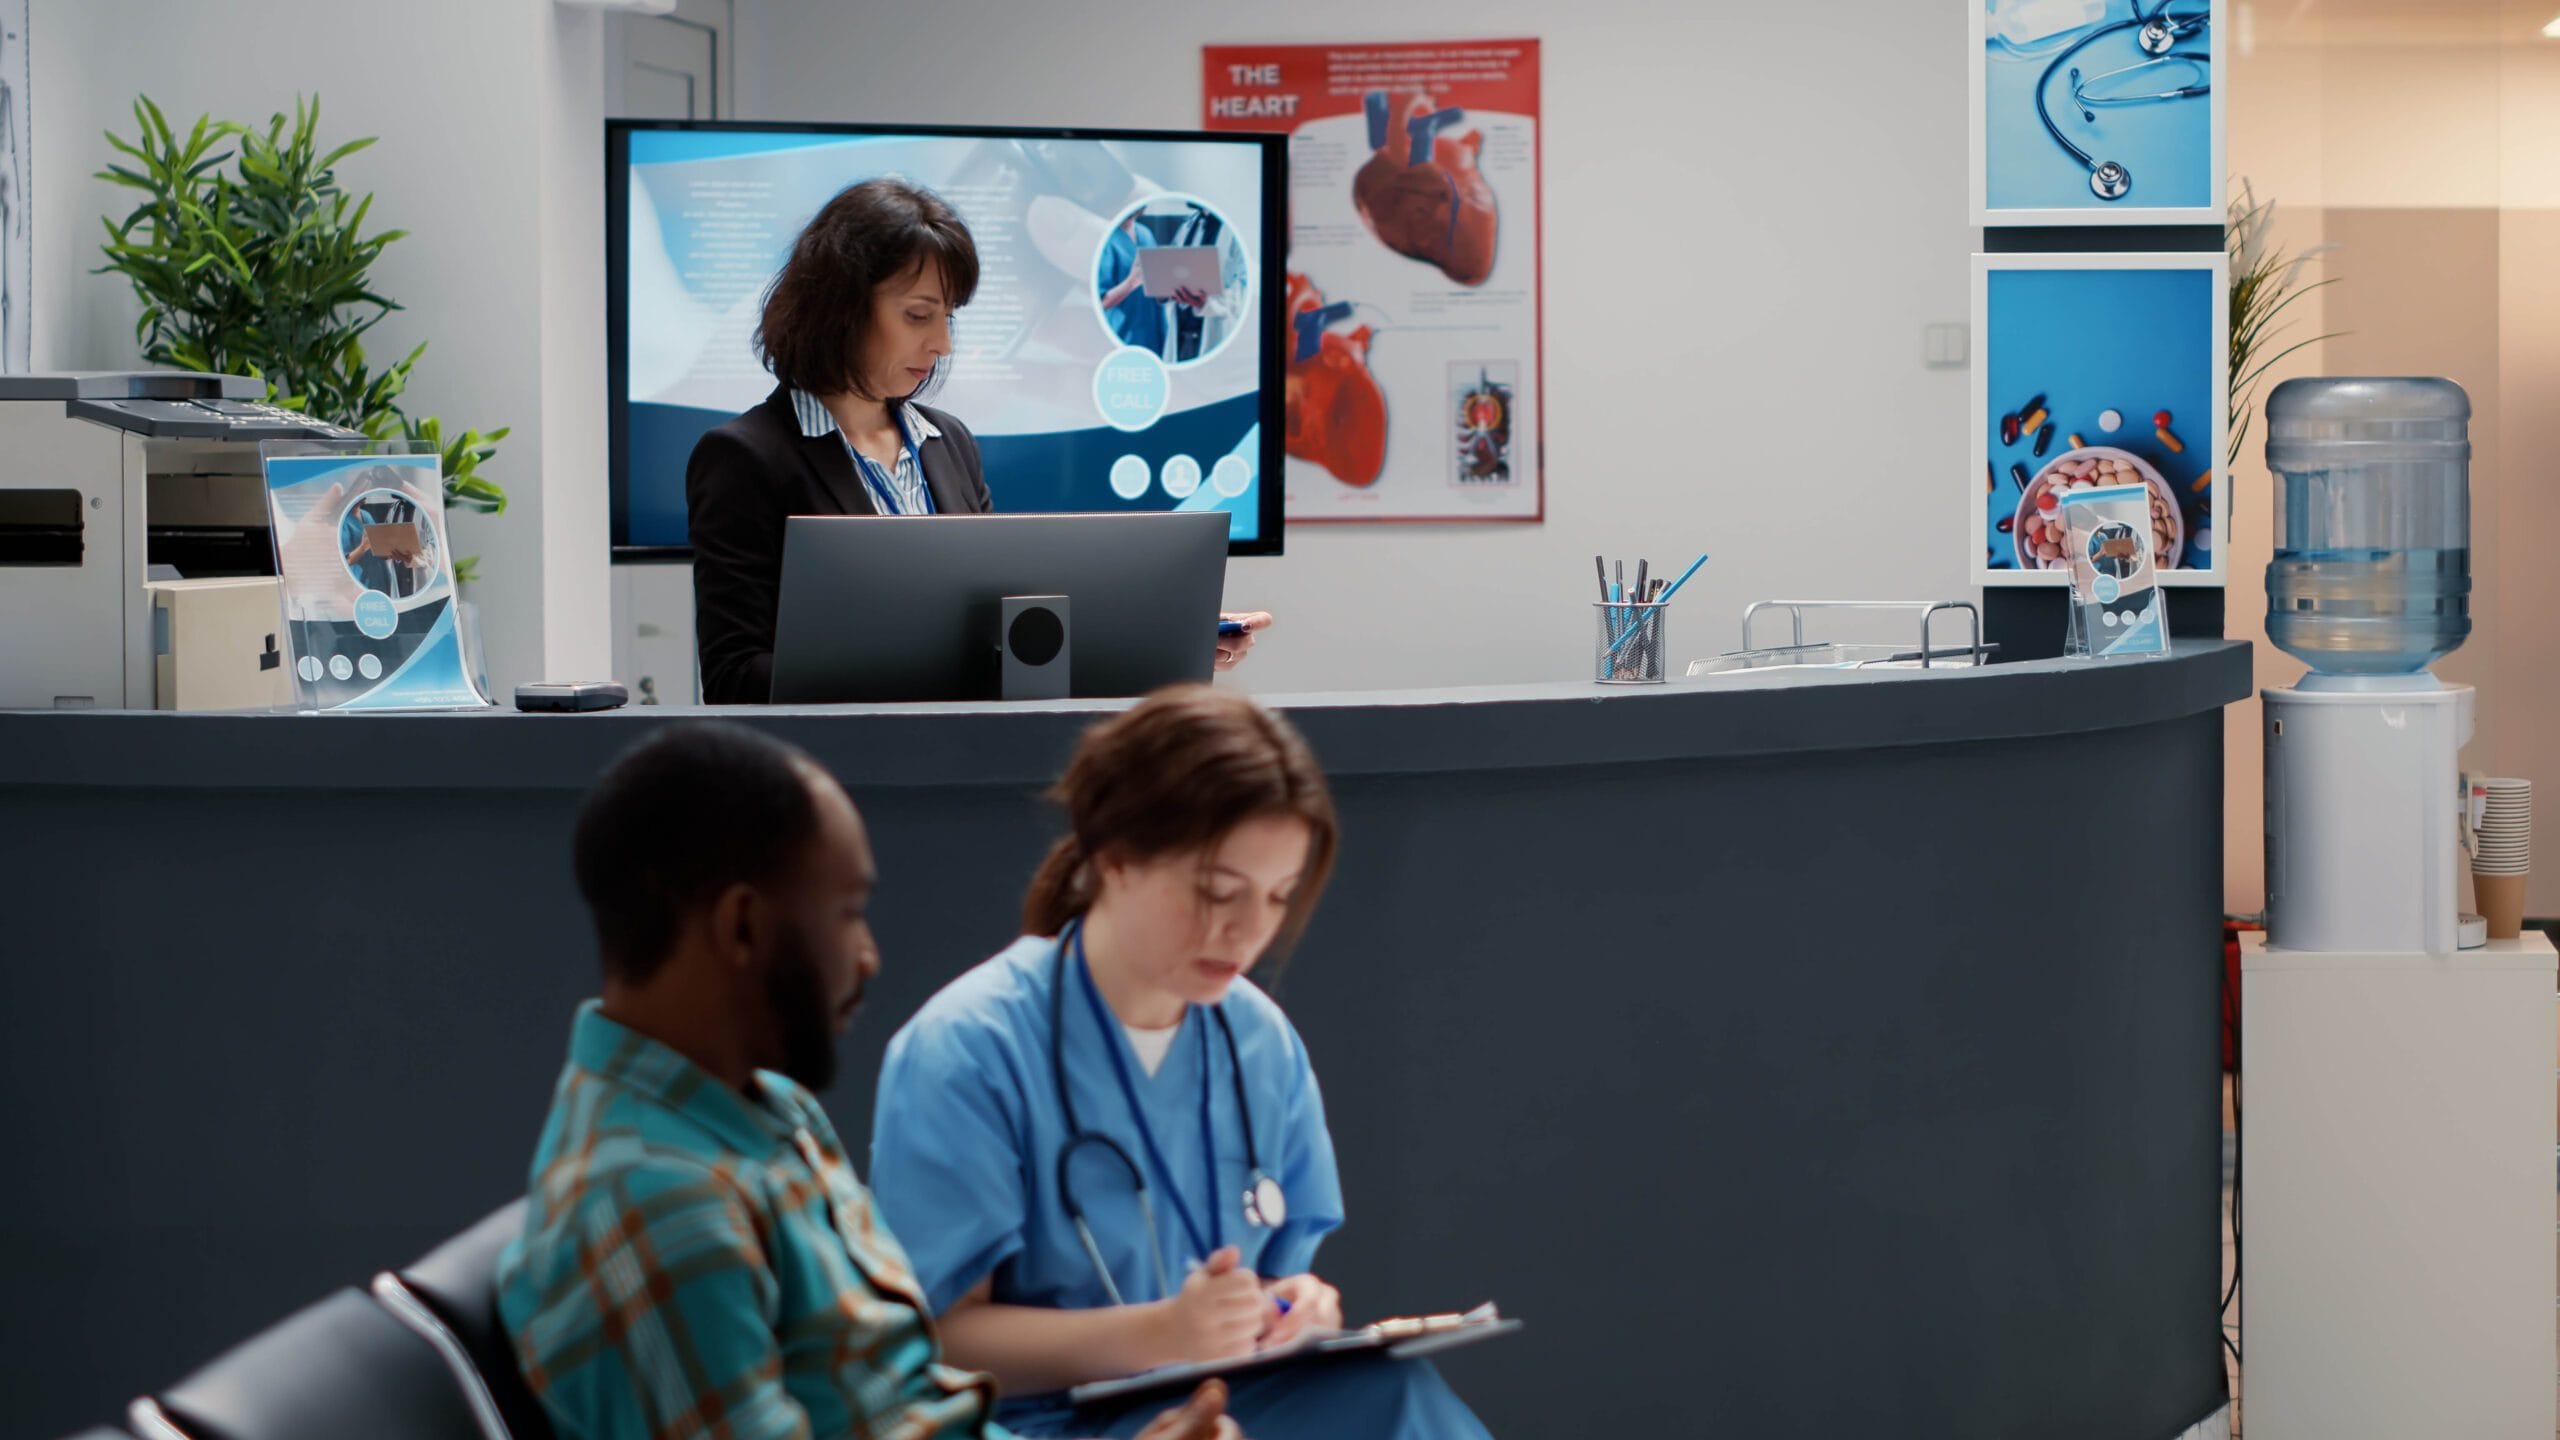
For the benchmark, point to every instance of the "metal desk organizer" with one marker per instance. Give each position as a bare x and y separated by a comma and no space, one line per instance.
1840,655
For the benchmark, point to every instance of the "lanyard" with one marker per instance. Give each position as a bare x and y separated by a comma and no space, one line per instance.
880,479
1214,1236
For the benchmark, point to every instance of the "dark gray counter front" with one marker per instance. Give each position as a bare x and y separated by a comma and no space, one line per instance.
1805,1057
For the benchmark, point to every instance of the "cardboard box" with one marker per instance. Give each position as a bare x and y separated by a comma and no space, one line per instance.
220,644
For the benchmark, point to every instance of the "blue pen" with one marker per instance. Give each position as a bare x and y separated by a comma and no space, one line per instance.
1282,1301
1616,645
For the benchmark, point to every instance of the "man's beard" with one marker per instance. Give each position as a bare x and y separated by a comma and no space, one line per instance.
801,1012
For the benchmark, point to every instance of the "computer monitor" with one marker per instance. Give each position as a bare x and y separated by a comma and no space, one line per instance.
897,608
1151,405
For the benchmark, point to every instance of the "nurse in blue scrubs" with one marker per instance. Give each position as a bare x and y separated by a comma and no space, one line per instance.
1103,1148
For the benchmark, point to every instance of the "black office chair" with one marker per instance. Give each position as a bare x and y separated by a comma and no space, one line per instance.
452,1292
340,1368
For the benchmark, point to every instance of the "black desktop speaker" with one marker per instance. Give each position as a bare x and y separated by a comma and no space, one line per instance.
1034,634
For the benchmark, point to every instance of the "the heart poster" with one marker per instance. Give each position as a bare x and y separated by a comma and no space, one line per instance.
1412,336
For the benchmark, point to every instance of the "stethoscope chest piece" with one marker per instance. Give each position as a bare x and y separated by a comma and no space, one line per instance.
1264,1203
2109,180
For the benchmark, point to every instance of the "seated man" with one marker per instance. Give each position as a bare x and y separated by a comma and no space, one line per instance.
698,1259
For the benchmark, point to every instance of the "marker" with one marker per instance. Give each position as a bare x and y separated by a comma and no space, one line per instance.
1230,627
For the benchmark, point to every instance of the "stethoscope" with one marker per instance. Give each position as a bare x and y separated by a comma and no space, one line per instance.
1265,1206
2160,32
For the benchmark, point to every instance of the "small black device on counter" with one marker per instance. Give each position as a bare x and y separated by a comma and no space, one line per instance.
571,695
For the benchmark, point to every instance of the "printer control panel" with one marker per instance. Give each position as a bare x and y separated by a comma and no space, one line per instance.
247,421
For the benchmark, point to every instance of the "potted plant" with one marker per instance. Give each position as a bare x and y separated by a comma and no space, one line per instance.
253,260
2264,281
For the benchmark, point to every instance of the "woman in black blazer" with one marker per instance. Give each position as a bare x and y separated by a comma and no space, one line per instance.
856,326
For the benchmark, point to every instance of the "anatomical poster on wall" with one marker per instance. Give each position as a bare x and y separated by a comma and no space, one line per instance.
1412,339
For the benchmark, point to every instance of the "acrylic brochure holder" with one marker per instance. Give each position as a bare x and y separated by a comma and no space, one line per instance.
367,576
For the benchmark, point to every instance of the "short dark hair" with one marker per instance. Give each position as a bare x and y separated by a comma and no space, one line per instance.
680,817
817,311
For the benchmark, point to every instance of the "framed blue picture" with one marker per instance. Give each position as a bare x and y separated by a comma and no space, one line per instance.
2097,112
2093,371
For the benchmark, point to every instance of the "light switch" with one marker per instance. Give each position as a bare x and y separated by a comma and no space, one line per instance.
1946,345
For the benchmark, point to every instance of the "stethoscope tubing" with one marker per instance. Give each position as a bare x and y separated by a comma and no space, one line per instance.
2044,82
1078,1137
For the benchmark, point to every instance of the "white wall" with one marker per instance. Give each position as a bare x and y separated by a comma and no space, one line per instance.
1750,213
489,116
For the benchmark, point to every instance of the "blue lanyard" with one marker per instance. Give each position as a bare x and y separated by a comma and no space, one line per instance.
878,479
1216,1233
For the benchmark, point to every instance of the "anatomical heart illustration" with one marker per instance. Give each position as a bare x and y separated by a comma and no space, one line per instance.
1421,192
1409,281
1337,416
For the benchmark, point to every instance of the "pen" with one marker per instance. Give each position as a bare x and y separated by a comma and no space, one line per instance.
1640,569
1600,568
1616,645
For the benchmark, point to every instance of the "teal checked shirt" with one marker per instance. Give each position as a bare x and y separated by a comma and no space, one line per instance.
697,1264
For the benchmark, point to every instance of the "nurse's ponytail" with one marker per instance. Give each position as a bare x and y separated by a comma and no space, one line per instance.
1175,773
1061,889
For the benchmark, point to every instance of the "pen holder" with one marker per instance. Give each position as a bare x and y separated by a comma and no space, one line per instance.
1629,650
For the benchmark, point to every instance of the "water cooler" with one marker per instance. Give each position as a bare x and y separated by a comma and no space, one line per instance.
2396,1069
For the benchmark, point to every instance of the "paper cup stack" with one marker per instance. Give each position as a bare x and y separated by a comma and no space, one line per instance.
2502,853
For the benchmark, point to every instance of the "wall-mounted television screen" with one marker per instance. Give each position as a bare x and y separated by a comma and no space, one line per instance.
1168,398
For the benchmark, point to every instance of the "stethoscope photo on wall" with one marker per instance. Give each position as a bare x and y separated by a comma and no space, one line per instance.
2108,75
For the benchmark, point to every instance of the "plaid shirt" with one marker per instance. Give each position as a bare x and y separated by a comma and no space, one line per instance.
696,1264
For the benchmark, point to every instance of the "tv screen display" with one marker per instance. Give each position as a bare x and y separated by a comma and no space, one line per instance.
1170,399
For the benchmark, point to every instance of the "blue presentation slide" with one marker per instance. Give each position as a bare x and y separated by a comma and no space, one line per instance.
1150,405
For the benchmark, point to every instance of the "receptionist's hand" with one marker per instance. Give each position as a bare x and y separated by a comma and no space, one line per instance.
1232,648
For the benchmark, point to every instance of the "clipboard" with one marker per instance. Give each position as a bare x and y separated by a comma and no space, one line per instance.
1163,269
1404,1339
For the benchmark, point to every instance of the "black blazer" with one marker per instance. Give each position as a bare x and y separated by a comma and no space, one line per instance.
744,480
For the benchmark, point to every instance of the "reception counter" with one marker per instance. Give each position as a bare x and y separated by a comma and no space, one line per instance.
1799,1053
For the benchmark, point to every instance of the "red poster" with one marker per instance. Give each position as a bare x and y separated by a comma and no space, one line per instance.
1415,378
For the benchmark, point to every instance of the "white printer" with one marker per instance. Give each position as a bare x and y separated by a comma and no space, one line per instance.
105,480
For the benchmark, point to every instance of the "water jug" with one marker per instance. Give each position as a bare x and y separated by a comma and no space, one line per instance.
2372,567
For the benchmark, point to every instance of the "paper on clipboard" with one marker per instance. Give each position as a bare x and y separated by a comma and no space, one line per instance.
1163,269
1404,1339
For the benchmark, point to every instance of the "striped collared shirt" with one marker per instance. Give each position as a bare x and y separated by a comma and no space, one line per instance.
697,1264
895,490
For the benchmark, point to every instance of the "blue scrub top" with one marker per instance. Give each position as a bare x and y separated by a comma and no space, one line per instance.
1138,320
968,1126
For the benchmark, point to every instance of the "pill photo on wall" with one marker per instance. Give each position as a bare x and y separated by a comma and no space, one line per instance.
2097,112
2091,371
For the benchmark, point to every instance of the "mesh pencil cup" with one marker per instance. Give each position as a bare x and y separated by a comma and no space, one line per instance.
1629,650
